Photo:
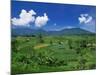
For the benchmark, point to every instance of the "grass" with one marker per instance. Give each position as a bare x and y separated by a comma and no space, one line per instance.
54,53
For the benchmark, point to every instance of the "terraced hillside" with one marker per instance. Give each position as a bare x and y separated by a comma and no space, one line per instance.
53,53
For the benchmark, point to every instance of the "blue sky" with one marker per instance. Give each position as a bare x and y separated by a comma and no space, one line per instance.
51,16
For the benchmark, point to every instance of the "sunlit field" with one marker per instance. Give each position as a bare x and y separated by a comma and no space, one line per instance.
53,53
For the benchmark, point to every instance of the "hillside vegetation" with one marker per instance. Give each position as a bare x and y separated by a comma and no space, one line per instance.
34,54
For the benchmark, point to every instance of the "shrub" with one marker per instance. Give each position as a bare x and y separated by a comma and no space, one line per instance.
70,43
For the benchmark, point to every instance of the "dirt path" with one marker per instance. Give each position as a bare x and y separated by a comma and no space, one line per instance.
41,46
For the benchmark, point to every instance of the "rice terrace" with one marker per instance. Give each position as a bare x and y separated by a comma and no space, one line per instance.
43,40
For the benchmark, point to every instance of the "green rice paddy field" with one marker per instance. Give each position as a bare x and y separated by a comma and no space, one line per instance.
53,53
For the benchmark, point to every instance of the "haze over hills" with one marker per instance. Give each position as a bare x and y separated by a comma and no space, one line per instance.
22,31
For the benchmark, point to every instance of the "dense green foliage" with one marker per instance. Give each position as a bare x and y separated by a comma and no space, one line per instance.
53,53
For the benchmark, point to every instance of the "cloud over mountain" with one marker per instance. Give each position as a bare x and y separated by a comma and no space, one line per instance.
85,18
41,20
24,18
27,17
87,22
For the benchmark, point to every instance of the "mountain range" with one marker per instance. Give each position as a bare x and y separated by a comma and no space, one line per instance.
22,31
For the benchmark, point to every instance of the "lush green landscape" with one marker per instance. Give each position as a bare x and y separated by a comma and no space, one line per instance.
40,53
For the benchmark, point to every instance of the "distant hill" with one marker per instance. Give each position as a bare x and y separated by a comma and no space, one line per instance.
72,31
23,31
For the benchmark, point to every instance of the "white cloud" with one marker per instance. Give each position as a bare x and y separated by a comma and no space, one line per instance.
70,27
85,18
27,17
24,18
89,19
87,22
41,20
